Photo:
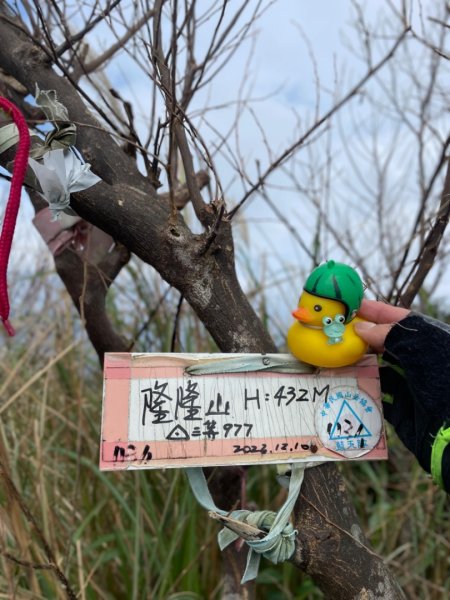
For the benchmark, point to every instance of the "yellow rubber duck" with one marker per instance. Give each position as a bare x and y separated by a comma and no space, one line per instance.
323,334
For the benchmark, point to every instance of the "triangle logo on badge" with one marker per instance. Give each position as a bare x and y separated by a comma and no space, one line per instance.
348,424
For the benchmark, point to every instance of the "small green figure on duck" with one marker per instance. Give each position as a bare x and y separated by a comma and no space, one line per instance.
334,328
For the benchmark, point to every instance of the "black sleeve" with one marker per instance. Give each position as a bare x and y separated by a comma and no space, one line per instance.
418,380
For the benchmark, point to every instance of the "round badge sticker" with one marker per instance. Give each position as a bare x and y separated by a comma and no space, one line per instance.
349,422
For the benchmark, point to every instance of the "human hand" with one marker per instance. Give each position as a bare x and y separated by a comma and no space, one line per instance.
414,380
380,318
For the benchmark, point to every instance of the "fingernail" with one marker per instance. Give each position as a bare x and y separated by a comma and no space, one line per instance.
364,326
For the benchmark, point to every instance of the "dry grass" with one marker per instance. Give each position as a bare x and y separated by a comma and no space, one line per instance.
140,535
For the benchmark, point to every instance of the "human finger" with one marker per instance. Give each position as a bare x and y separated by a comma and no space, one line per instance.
374,335
380,312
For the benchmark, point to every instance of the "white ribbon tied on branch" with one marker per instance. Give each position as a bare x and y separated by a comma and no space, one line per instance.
61,173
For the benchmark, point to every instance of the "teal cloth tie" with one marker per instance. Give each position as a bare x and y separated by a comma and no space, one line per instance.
279,543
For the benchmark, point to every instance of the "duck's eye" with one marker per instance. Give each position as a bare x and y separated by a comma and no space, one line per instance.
339,318
317,308
327,320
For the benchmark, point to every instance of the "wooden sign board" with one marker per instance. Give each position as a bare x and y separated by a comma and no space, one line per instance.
184,410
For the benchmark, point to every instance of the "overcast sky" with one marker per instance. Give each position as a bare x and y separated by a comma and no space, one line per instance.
282,77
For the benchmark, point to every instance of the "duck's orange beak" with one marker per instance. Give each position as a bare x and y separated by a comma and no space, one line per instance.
302,314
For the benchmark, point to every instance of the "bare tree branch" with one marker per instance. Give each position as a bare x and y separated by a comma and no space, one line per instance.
89,27
317,124
102,59
15,495
429,249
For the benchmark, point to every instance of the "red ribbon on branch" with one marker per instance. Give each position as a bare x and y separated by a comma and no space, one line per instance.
12,206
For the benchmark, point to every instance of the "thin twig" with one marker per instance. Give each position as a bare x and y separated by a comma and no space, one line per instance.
241,528
286,222
134,138
220,210
296,145
80,35
14,492
27,563
176,323
52,57
97,62
147,322
167,88
426,194
428,251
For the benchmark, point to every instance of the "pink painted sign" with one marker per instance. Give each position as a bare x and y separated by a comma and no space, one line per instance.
180,410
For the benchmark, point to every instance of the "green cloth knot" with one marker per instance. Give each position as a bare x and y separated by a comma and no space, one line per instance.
279,543
276,548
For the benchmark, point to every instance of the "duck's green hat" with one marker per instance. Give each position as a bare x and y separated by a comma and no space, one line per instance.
337,281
